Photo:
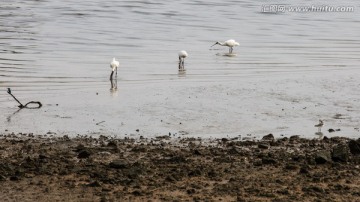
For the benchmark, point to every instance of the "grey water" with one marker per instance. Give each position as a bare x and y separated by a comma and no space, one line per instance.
290,70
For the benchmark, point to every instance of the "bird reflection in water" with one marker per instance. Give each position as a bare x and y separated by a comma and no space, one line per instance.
113,87
181,73
320,135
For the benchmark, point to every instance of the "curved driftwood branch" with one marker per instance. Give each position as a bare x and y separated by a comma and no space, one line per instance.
21,106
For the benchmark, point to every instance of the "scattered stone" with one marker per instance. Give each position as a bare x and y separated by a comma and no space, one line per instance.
84,154
118,164
79,147
170,178
197,152
94,184
190,191
112,144
269,137
188,169
354,147
268,160
224,139
263,146
340,153
137,193
331,130
304,169
313,188
291,166
322,157
14,178
294,138
164,137
2,178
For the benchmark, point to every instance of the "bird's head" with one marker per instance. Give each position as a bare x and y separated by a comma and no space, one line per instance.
217,43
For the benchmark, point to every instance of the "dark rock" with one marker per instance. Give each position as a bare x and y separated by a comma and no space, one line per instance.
212,174
354,147
196,152
170,178
2,178
137,193
297,158
139,149
224,139
137,130
112,144
340,153
234,150
331,130
304,169
291,166
177,159
322,157
294,138
258,163
263,146
269,137
118,164
14,178
84,154
80,147
313,188
94,184
267,160
194,173
191,191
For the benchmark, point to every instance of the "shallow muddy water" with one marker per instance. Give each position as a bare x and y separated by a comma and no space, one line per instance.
290,70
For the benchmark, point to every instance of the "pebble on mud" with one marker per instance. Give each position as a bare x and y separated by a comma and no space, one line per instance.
354,147
84,154
269,137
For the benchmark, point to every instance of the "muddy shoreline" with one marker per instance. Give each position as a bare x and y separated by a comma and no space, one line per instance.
42,168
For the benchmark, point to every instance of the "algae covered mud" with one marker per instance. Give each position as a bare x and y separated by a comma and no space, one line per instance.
47,168
290,70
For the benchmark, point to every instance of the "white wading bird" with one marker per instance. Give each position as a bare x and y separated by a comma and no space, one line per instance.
229,43
182,55
319,125
114,65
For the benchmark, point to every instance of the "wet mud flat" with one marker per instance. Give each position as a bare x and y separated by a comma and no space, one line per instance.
44,168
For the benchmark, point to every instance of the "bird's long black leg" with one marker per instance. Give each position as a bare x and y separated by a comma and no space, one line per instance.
179,63
116,71
111,75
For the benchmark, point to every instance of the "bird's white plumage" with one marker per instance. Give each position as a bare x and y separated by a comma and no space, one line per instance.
230,43
183,54
114,64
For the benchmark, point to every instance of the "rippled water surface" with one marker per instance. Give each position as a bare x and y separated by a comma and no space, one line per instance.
290,70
